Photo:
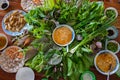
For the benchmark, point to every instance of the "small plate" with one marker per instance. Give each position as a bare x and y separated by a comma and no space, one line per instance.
26,27
28,5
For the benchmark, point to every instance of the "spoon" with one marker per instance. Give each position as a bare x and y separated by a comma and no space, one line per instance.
110,68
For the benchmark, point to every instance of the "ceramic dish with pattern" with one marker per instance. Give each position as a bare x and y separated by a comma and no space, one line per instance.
13,22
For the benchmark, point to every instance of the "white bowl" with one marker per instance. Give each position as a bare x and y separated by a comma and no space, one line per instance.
113,41
114,34
112,8
6,40
117,62
25,73
73,34
4,1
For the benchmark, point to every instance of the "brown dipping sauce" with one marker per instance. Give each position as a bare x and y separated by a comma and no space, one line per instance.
104,61
3,42
62,35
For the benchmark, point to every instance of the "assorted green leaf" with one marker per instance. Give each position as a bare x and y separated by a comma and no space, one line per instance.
85,17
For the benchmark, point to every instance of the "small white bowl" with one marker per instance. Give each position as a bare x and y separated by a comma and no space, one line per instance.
113,31
117,62
4,1
3,35
25,73
113,41
73,34
112,8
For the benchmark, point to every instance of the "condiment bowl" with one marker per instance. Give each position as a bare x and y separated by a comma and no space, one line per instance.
3,35
113,9
112,32
4,4
114,42
70,28
107,62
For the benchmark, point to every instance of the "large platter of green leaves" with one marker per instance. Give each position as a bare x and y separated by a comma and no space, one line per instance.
85,17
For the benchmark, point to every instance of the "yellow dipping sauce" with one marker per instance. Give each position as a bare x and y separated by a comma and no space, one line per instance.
104,61
62,35
3,42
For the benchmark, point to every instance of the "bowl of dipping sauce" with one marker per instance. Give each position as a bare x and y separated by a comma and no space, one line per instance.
113,46
3,41
104,60
63,35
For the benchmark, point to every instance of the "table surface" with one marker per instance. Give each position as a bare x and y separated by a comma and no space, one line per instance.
15,4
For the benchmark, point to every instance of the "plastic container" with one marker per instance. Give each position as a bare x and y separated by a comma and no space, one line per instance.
25,73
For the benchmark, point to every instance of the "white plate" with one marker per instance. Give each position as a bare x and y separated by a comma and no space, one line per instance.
14,33
28,5
10,68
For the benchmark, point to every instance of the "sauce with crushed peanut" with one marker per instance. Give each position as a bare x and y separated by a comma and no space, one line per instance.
62,35
104,61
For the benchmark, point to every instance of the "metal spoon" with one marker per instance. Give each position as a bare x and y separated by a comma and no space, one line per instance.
110,68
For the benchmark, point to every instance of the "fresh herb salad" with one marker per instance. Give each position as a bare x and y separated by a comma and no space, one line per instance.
112,46
110,13
85,17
